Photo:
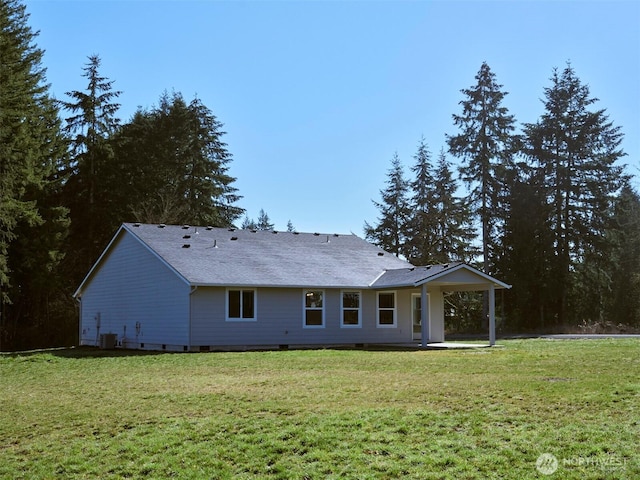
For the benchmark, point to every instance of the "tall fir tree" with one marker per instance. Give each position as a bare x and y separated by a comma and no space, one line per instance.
421,225
92,123
624,299
208,185
440,228
248,224
526,251
264,222
32,226
390,232
454,232
575,150
485,144
176,166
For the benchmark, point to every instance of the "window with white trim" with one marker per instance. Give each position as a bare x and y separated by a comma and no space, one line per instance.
351,309
314,308
387,313
241,304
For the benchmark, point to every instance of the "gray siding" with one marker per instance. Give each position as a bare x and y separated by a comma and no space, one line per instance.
133,287
280,320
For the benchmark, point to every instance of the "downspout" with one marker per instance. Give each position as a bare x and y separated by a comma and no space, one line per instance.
191,292
79,302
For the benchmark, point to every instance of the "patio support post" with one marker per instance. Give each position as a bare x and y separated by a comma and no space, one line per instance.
492,315
425,330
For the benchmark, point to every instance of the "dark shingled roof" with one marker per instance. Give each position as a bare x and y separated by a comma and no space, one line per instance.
412,276
220,256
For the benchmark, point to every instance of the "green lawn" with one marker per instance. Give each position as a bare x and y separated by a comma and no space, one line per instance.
484,413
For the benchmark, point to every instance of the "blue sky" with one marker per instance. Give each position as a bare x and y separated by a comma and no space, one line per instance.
317,96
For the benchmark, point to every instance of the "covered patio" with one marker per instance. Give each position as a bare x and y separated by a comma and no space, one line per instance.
430,284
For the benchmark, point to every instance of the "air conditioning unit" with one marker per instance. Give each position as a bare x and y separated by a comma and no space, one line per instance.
108,341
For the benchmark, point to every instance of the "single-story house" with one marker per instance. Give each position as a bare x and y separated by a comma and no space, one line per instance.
186,288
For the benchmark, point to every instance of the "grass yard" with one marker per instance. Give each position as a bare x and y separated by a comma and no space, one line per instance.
485,413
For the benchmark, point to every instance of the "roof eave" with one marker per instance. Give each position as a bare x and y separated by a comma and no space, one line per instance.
254,285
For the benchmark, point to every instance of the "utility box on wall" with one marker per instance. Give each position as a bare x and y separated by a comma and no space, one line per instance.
108,341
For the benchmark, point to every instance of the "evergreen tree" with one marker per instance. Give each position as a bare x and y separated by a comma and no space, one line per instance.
526,251
22,95
249,224
90,126
390,233
624,299
440,228
290,227
32,227
485,145
143,178
454,233
422,224
207,183
92,122
176,166
575,150
264,222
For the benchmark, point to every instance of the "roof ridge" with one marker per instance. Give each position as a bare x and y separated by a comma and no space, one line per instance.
235,229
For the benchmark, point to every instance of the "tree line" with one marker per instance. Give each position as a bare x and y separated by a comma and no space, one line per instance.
71,172
548,208
558,217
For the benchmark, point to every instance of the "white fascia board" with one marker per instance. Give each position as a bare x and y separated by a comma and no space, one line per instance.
257,285
495,281
464,266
